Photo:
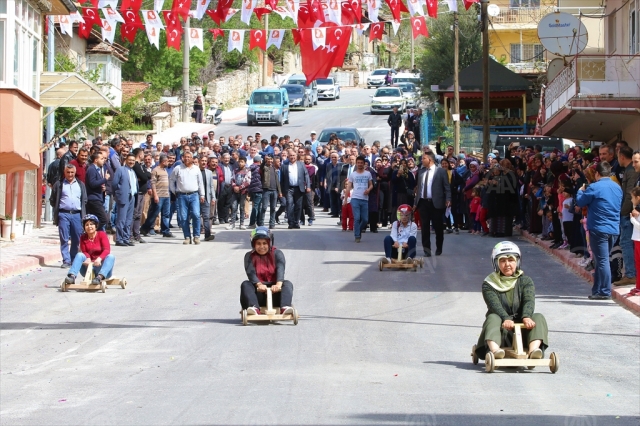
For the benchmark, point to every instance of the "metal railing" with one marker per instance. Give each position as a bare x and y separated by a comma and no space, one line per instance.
594,76
521,15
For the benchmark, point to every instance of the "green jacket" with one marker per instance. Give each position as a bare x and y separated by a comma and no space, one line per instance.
521,305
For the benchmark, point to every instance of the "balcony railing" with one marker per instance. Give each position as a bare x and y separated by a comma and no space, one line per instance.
594,77
521,15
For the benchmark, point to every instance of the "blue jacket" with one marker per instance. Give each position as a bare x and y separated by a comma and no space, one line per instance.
93,182
602,199
120,186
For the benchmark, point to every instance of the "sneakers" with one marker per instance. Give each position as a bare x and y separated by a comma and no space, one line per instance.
152,232
386,260
310,222
599,297
456,231
287,310
535,354
196,240
357,240
70,279
449,230
584,262
97,280
231,226
499,354
210,238
186,241
242,227
252,310
65,265
168,235
590,267
563,246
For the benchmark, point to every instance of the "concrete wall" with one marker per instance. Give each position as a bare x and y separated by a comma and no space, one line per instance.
500,42
233,88
631,134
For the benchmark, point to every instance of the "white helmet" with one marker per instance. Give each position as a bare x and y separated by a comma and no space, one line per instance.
505,248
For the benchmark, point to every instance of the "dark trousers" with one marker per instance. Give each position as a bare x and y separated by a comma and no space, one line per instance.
256,208
249,296
373,221
205,220
294,205
334,202
392,253
308,206
395,133
137,216
269,200
69,228
224,203
96,208
429,214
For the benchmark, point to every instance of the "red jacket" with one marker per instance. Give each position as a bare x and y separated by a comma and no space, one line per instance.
98,248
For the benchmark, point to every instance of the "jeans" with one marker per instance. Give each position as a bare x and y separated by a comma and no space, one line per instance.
69,227
392,253
601,245
189,208
162,208
205,212
237,199
269,200
256,208
106,269
124,220
626,244
360,215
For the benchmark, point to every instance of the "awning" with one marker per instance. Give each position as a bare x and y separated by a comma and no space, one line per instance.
68,89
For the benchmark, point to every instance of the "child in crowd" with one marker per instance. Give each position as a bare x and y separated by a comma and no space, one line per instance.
347,213
543,208
635,199
239,183
567,217
473,208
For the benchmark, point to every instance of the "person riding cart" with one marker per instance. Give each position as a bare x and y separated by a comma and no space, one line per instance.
403,236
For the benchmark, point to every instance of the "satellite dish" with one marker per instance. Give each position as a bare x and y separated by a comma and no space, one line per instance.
554,68
493,10
562,34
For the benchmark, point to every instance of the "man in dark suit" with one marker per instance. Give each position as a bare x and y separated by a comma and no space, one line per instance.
433,196
96,185
294,182
125,188
395,121
332,183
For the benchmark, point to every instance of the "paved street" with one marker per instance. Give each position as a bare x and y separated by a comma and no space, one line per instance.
371,348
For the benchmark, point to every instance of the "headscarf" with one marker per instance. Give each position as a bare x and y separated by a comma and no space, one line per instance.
501,282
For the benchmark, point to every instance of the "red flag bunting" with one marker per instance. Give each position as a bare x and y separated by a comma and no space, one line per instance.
375,31
171,20
353,8
432,8
217,32
219,15
396,6
181,8
468,3
297,34
419,27
261,11
173,37
134,5
318,63
272,3
258,38
84,30
91,17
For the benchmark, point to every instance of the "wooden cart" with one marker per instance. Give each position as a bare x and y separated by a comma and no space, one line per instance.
400,263
86,282
516,356
269,313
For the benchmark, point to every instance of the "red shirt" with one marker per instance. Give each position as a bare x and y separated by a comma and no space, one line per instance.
98,248
81,171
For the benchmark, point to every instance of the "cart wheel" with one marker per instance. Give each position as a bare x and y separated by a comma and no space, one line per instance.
474,357
489,362
244,317
555,362
295,316
380,264
63,286
123,283
103,286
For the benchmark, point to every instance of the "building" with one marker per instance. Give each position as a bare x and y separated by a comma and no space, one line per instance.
22,23
597,97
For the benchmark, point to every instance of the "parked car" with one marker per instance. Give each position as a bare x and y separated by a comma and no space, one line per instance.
407,77
410,93
328,88
386,98
376,78
343,133
298,97
268,105
311,89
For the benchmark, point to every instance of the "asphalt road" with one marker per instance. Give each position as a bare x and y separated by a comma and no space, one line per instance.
371,347
351,110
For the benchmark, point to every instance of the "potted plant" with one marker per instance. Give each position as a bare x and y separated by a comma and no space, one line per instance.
6,226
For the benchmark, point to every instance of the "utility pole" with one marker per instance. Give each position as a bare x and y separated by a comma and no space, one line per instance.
185,72
456,87
265,57
51,121
413,61
486,139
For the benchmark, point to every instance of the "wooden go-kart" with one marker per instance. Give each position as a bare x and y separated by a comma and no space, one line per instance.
86,282
516,356
400,263
269,313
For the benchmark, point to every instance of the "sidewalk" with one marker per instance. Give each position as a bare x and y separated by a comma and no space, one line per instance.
619,294
40,249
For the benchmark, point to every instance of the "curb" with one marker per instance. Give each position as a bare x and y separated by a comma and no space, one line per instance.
619,294
29,261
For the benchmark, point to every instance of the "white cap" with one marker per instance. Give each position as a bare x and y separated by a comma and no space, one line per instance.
313,132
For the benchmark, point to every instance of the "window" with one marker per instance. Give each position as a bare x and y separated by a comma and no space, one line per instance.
2,49
633,30
524,3
526,53
21,31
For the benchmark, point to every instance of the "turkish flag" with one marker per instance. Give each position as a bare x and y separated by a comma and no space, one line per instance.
298,35
134,5
217,32
272,3
257,38
84,30
375,31
432,8
218,15
91,17
419,27
468,3
261,11
315,11
318,63
132,23
174,36
396,6
353,10
171,20
181,8
94,2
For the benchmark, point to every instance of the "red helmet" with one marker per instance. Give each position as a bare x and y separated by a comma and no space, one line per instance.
404,210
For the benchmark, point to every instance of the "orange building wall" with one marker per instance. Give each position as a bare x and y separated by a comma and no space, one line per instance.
20,132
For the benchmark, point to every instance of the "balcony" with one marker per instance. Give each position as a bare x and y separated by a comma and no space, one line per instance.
511,18
601,91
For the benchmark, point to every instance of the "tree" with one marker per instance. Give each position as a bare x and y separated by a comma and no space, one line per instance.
436,60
